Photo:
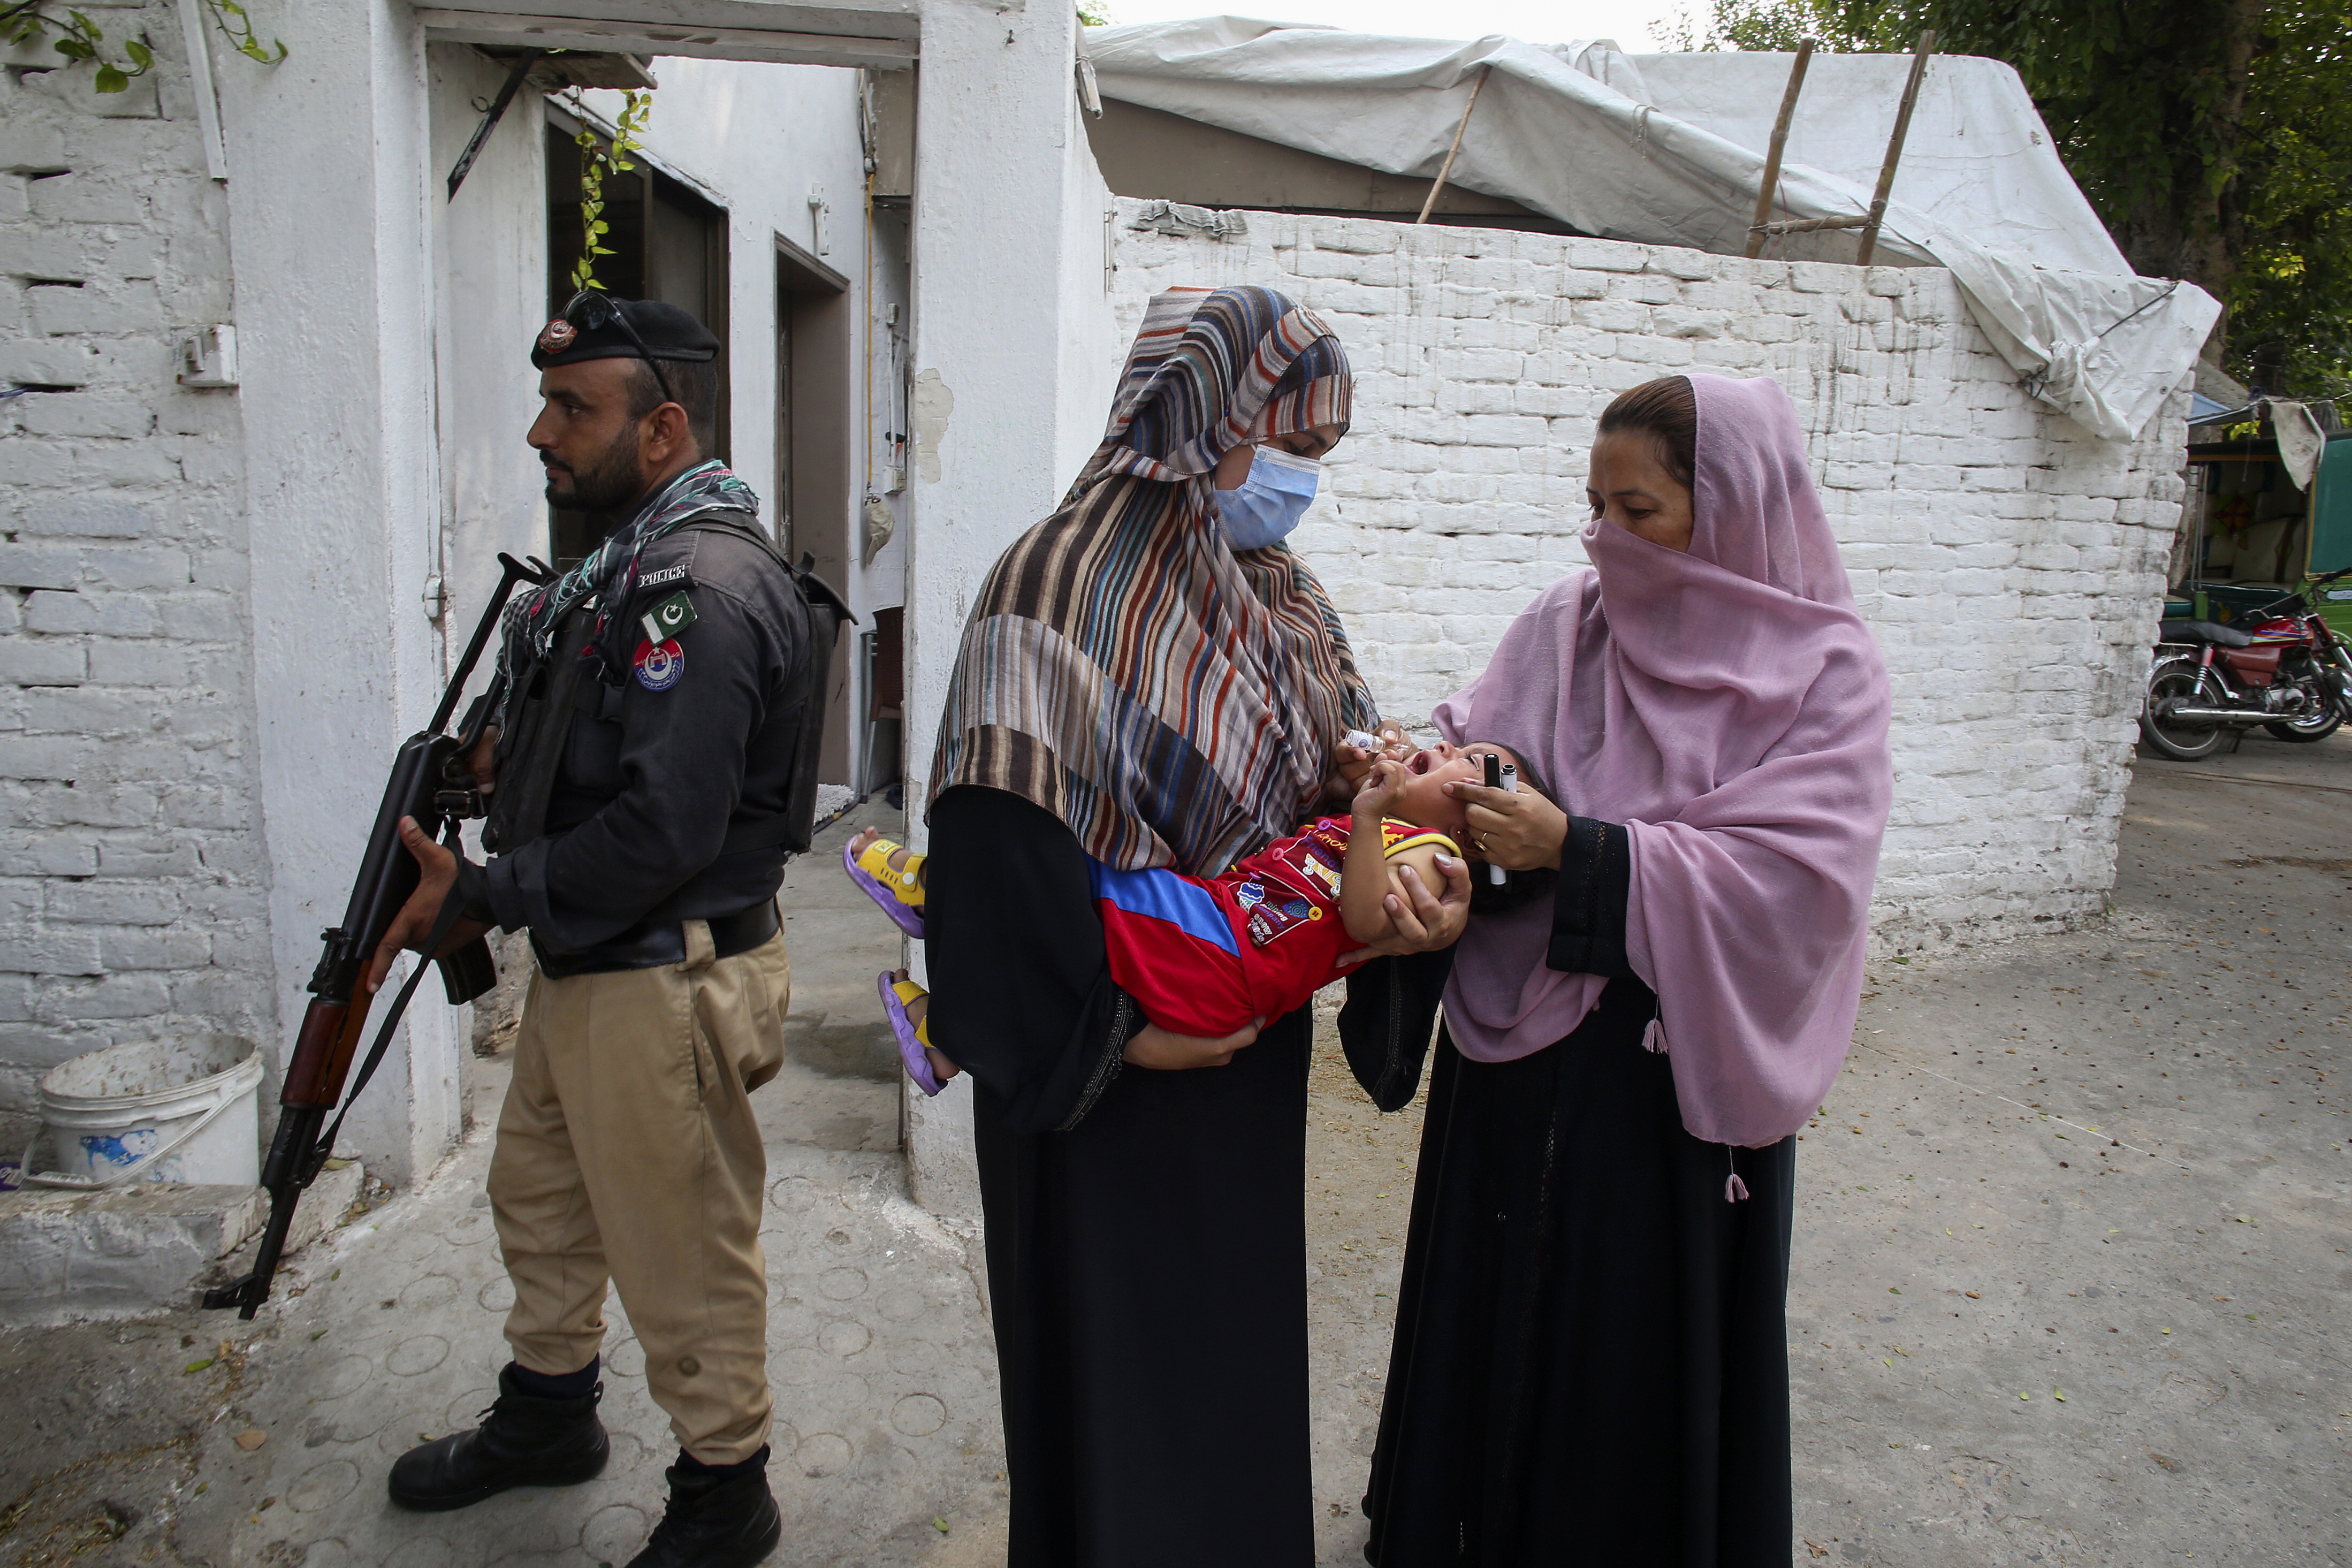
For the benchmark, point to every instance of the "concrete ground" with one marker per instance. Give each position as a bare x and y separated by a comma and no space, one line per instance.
195,1438
2105,1170
2070,1281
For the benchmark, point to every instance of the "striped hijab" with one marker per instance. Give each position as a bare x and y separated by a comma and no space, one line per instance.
1172,701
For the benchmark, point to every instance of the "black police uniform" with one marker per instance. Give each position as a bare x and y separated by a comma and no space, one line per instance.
658,769
648,794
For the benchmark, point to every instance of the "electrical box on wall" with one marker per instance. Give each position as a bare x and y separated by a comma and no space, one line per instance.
208,357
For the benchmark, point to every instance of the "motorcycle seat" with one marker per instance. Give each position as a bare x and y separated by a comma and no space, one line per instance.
2213,632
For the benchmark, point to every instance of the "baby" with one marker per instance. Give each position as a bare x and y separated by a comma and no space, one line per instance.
1207,956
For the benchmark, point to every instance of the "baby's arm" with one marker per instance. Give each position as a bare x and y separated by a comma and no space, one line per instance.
1421,858
1364,875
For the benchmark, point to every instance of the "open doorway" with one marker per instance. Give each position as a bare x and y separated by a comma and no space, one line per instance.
726,216
668,243
816,413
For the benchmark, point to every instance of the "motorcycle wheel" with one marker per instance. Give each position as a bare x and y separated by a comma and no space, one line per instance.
2176,683
2317,684
2326,722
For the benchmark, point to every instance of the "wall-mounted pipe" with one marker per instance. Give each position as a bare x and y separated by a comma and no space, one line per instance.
200,75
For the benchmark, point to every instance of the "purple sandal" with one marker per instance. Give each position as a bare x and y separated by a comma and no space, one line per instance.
909,921
910,1049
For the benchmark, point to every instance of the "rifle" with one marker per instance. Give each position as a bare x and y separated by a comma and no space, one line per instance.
421,786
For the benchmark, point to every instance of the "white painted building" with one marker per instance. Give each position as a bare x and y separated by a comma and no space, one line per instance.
224,607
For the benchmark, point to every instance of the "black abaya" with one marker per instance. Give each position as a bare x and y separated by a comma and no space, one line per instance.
1590,1363
1146,1241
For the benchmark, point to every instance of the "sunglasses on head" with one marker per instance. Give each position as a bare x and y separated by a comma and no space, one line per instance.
595,309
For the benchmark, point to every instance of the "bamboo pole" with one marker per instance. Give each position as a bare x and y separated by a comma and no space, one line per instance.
1772,186
1894,146
1447,167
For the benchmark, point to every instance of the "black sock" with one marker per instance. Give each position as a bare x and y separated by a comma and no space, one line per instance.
569,1385
687,1462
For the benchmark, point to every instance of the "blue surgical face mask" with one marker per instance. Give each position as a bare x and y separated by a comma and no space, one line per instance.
1267,505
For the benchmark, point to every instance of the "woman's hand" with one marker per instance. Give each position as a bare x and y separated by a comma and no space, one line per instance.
1158,1049
1350,765
1424,921
1518,830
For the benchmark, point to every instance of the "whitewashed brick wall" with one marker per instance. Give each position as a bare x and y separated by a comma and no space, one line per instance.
132,873
2009,563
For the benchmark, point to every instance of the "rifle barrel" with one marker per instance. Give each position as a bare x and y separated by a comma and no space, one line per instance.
293,1162
510,571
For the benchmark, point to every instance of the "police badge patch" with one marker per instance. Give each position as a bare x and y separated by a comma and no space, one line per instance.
556,336
660,665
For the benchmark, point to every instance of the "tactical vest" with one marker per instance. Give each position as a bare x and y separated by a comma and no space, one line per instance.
550,693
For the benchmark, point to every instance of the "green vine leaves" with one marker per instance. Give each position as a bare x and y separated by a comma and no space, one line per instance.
79,39
596,160
237,28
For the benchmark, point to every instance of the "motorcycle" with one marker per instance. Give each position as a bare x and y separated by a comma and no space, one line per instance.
2282,668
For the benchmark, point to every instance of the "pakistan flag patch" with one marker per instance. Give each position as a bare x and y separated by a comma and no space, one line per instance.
668,618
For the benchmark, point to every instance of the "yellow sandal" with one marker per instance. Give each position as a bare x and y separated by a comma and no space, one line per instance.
899,892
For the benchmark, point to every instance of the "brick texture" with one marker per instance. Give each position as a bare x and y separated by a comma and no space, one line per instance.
2009,563
132,873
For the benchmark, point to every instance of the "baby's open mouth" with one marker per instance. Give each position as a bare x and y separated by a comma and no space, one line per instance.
1419,762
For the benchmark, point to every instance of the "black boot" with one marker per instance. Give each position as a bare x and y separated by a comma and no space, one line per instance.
715,1521
522,1441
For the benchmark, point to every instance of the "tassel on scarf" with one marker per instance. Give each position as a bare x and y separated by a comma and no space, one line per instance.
1653,1039
1733,1189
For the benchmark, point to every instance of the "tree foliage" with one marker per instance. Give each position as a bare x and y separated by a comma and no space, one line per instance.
2214,137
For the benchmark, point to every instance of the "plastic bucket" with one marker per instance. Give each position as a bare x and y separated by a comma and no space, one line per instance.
177,1109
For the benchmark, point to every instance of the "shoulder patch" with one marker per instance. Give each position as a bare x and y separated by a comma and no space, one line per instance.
664,620
677,574
660,665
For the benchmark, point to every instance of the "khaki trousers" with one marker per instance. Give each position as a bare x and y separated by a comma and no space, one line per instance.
627,1152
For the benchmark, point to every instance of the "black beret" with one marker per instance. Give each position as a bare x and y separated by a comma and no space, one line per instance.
665,331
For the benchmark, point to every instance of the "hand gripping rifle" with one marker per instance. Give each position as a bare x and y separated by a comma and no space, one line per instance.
423,786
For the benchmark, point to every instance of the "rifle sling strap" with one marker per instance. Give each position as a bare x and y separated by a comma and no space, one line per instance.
452,906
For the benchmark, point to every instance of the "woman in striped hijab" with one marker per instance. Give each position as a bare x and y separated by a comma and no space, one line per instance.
1134,690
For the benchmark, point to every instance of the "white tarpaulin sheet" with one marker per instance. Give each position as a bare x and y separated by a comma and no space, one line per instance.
1669,150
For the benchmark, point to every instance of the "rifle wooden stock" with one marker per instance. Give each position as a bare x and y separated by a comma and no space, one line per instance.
323,1053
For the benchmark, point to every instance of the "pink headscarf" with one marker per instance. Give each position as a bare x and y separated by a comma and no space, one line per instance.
1729,707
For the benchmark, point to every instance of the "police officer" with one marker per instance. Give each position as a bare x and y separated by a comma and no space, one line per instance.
653,706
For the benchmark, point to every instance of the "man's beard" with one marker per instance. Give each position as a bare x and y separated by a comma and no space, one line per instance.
613,483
